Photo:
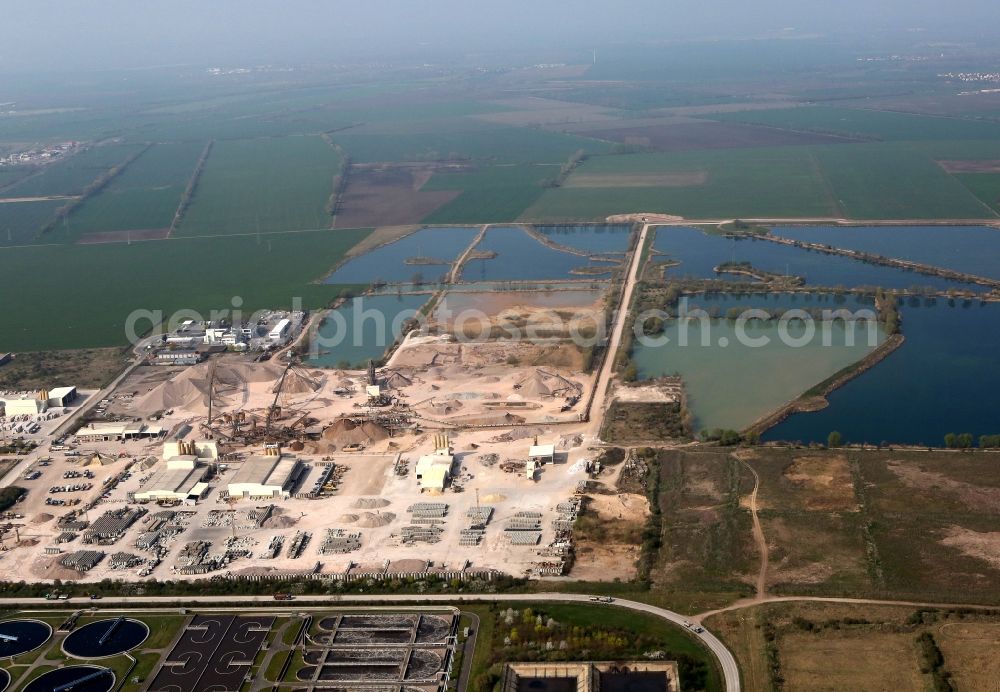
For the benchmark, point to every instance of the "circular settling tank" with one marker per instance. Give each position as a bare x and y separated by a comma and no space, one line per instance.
106,638
21,636
4,679
79,679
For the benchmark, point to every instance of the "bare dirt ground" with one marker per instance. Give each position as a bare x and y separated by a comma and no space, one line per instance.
652,218
421,352
844,661
650,391
978,497
388,195
609,548
826,481
505,314
984,546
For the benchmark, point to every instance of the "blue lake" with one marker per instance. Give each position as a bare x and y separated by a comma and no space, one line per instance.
595,239
362,329
969,249
699,253
944,378
519,257
388,262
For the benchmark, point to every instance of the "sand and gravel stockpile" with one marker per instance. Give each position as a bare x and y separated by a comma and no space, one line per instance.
348,518
189,389
493,497
519,434
567,442
180,392
371,520
535,386
348,432
370,503
280,521
445,407
298,382
248,372
42,518
435,373
394,379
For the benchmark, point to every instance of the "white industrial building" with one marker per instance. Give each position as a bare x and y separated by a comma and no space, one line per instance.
227,336
109,432
280,331
272,474
180,356
187,335
62,396
181,479
27,405
33,405
542,454
434,470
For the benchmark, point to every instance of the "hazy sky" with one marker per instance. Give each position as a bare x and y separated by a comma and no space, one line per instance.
48,34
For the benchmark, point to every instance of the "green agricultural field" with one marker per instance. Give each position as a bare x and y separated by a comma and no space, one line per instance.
490,194
9,175
867,124
501,145
71,176
166,163
280,184
881,180
20,221
98,286
959,150
985,186
125,210
891,181
411,117
144,196
778,182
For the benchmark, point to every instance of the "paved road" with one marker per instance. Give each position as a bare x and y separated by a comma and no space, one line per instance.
467,653
726,661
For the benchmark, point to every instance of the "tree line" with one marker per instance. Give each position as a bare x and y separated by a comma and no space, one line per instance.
967,441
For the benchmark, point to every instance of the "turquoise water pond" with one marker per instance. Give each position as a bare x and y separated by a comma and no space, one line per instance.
362,329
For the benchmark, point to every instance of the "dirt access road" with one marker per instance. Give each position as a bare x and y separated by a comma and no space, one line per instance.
598,404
